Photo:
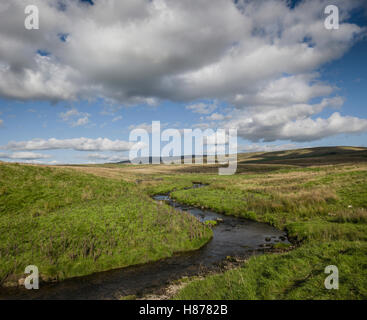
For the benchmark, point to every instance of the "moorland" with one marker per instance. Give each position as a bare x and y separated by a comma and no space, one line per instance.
76,220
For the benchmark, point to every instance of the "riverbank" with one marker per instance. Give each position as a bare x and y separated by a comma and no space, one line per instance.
323,209
318,196
233,241
71,224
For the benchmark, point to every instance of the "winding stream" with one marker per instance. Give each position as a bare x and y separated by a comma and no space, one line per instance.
231,237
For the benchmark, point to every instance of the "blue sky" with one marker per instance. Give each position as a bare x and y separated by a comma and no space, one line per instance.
107,78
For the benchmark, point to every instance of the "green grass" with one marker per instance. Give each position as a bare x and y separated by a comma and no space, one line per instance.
318,195
323,210
298,274
73,224
211,223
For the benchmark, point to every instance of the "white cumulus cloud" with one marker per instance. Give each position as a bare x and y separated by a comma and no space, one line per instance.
78,144
201,108
24,156
260,57
75,118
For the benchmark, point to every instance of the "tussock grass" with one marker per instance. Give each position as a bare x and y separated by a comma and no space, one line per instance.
72,224
351,215
298,274
322,208
319,196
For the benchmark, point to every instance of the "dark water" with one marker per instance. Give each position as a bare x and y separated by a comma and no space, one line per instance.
232,237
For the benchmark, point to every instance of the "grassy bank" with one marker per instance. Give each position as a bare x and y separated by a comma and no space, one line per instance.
72,224
318,195
323,209
298,274
84,219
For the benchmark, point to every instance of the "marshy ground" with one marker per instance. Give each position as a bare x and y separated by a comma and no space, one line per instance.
68,220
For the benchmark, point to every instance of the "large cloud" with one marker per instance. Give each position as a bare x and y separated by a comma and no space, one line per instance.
134,50
259,56
78,144
293,122
23,156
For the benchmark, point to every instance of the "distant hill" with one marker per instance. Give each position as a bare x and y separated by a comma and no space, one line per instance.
178,159
302,157
307,156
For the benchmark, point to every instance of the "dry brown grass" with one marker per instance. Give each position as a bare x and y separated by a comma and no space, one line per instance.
358,215
266,165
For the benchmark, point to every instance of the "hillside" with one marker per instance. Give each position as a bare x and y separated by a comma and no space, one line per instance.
307,157
79,219
73,224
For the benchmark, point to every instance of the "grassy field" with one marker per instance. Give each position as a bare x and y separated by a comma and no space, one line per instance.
70,224
319,196
323,209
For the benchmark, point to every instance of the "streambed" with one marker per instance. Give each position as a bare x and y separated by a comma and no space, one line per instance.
234,237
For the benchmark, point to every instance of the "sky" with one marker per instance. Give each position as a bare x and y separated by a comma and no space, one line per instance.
72,90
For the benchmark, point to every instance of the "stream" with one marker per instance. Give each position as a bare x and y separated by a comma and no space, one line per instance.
234,237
